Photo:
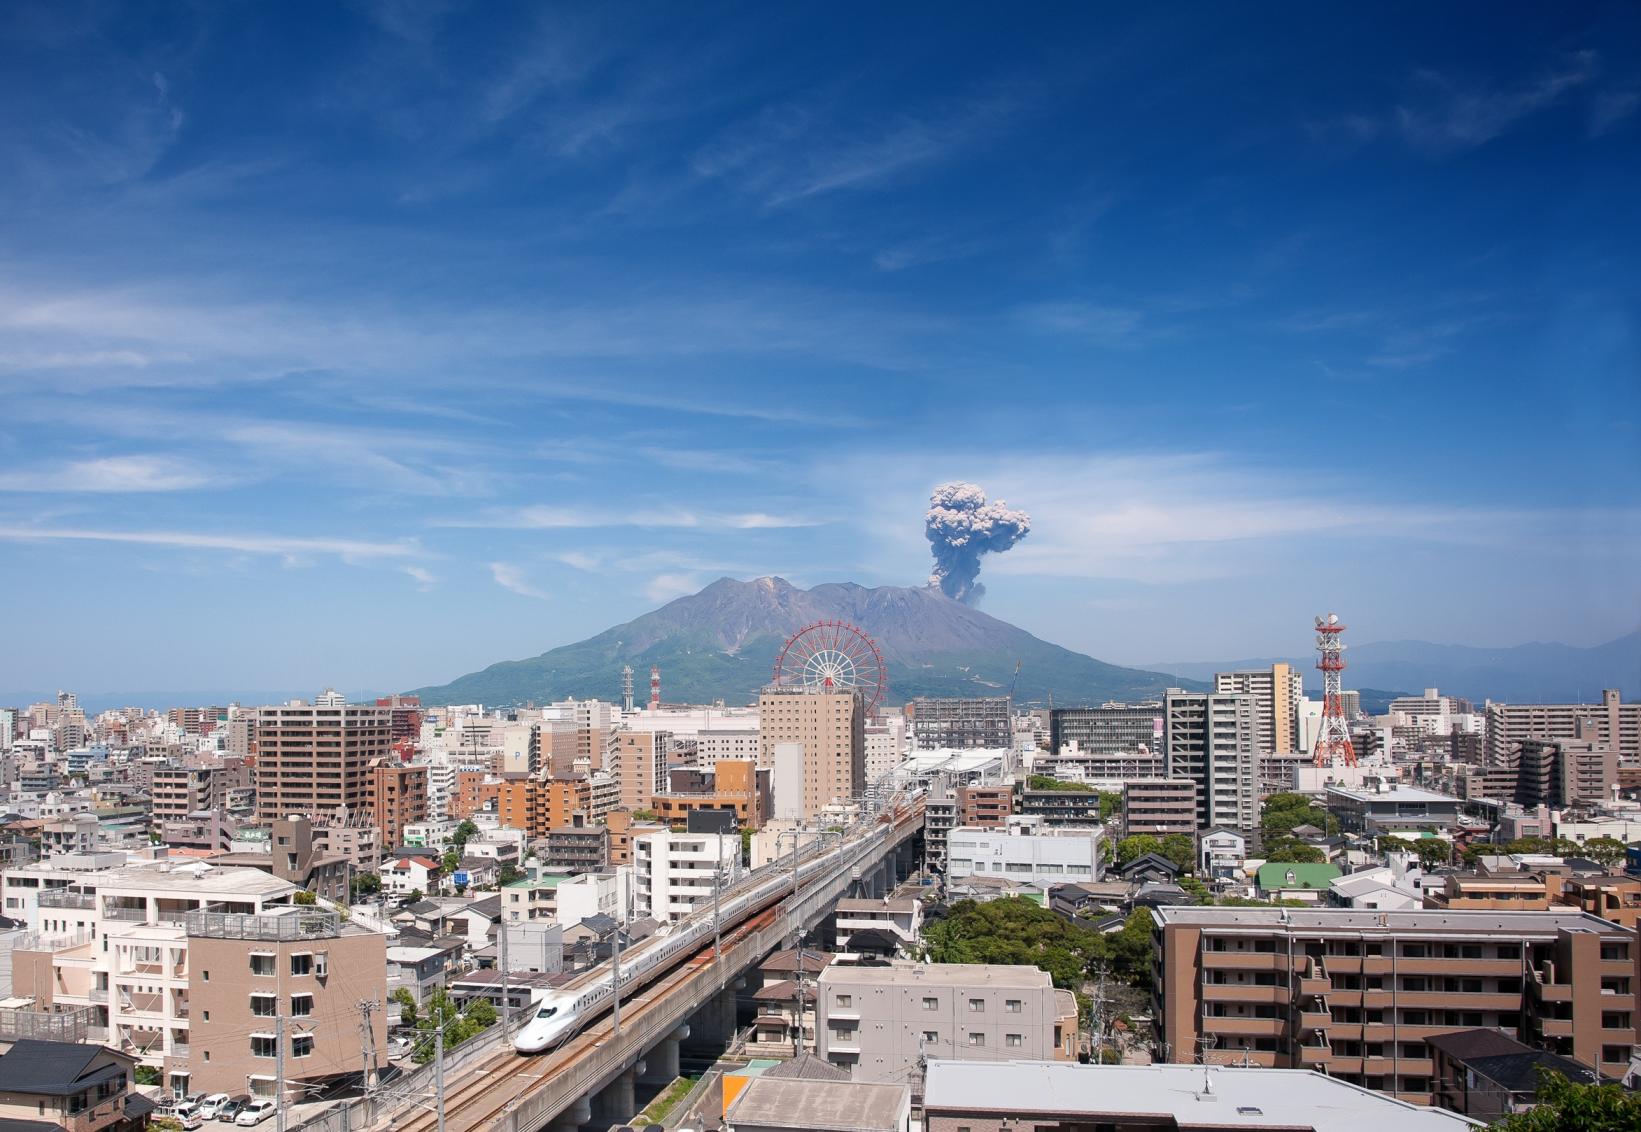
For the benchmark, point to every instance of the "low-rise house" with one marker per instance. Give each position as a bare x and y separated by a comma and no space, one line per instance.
1150,868
1486,1074
67,1087
1295,880
900,920
404,875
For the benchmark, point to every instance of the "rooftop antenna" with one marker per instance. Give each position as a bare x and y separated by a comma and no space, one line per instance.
626,688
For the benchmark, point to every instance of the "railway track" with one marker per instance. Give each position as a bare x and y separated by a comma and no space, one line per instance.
487,1090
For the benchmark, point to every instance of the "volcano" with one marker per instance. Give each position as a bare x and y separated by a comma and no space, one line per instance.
721,643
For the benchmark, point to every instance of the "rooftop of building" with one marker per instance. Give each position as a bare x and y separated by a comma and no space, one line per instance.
1292,1099
807,1103
1499,1058
1276,874
866,904
908,973
545,880
1391,794
181,879
1458,921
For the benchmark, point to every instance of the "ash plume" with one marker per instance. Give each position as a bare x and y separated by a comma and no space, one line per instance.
961,526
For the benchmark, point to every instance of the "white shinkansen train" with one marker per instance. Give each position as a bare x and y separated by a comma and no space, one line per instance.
558,1014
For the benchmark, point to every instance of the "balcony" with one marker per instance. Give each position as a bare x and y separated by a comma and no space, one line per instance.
1315,984
58,898
1244,961
1245,1027
97,994
1241,992
1314,1020
1315,1055
1556,1027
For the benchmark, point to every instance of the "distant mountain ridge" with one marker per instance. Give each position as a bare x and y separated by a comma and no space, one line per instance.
721,644
1537,672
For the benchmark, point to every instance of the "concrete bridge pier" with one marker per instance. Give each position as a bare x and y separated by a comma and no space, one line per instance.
662,1061
572,1118
617,1102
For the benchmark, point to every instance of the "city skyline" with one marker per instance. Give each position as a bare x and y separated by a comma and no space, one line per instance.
456,339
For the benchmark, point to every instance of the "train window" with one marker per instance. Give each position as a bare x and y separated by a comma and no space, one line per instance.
547,1012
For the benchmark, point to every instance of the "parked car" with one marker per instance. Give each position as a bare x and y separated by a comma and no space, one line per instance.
186,1107
211,1105
232,1107
254,1113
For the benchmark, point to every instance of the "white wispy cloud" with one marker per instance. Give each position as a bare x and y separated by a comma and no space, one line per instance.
511,577
542,517
665,587
277,545
425,579
1451,114
1113,325
113,474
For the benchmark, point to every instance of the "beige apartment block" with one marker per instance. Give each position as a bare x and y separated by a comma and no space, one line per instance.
640,765
1612,724
1159,806
1277,691
315,759
1357,994
881,1023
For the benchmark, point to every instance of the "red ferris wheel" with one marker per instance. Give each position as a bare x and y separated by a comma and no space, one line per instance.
834,654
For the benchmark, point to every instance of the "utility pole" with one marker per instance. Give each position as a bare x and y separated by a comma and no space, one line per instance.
367,1046
438,1070
279,1070
615,978
506,1001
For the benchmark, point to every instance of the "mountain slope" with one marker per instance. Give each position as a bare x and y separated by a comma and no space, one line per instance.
1537,672
721,643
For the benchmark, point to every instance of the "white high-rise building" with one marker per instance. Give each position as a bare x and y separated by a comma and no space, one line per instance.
1211,739
675,873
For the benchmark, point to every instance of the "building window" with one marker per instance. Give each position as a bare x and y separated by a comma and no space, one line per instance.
846,1000
262,963
302,1045
1013,1041
301,1005
1011,1006
930,1036
977,1039
977,1005
301,963
931,1004
264,1005
264,1045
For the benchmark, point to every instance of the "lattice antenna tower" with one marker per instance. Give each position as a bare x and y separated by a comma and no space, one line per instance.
626,688
1333,745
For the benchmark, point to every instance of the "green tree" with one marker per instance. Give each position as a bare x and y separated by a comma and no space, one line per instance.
1431,851
1285,811
1014,931
366,884
746,846
407,1007
414,896
465,832
1110,805
1049,782
1131,849
1291,850
450,862
1608,851
510,873
1180,849
304,897
1566,1106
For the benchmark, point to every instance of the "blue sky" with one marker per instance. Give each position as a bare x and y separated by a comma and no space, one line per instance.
368,343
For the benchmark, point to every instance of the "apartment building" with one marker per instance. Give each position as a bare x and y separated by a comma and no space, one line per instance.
1565,772
579,848
715,743
1159,806
985,807
640,765
1211,739
315,759
1616,725
736,785
1026,852
1061,807
677,873
623,832
939,723
881,1023
898,919
1357,994
395,796
116,942
1110,729
1277,691
178,792
815,740
538,807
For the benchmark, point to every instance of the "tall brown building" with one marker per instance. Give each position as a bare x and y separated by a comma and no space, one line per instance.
1358,993
314,759
395,796
984,807
816,742
1612,724
641,765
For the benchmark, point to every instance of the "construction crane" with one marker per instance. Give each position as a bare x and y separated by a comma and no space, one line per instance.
1016,679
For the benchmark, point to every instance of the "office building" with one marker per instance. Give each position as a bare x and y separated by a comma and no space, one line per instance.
1210,739
1392,809
1277,691
939,723
736,786
1612,725
1110,729
1356,994
538,807
1046,1096
1159,806
1027,852
314,759
881,1023
821,736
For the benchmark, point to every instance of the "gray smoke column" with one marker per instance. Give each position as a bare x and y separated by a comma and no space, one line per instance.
961,527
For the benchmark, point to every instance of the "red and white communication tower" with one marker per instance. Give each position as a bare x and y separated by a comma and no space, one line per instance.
655,687
1333,745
